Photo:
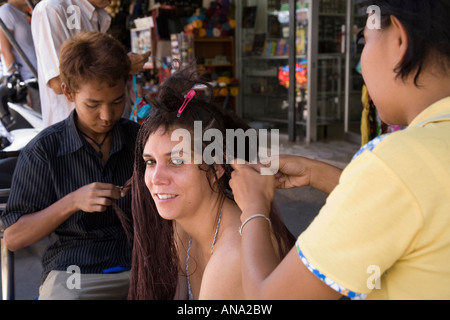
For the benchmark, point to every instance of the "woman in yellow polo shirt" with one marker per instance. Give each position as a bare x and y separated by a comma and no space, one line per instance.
384,232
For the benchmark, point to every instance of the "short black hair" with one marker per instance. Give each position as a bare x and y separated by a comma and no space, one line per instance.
93,56
427,25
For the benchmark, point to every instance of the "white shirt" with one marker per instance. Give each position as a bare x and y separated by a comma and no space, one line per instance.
17,21
53,22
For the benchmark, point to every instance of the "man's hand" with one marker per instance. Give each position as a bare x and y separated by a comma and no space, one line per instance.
293,172
30,228
297,171
96,197
138,61
55,85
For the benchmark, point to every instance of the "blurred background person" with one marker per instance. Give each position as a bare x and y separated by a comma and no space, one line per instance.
14,15
55,21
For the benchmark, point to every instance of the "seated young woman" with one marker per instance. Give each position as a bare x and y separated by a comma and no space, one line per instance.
185,221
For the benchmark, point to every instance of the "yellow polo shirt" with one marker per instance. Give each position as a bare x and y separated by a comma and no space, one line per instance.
384,232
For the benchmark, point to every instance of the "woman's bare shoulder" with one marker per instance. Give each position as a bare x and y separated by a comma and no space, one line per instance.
222,276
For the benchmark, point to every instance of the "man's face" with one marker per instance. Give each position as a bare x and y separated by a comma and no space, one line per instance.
101,4
99,106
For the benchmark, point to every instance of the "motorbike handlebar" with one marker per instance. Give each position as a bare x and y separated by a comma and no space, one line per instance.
14,89
9,154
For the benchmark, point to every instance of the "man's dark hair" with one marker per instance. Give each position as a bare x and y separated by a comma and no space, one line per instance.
93,56
427,25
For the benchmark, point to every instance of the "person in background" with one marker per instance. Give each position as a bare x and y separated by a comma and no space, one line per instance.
185,221
384,232
67,182
14,16
53,22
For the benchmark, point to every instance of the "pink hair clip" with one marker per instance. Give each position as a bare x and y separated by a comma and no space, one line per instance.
187,99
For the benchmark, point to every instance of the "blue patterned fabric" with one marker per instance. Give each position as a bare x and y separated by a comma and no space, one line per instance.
371,145
328,281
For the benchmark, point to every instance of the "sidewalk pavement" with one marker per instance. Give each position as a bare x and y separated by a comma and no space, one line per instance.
298,207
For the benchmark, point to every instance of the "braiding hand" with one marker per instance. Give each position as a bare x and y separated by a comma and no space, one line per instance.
252,191
96,197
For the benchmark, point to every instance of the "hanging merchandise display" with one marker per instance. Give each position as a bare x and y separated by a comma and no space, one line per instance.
141,38
141,109
183,48
217,21
301,74
113,8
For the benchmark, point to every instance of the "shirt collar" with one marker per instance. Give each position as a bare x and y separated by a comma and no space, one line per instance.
103,17
437,112
14,8
71,140
87,8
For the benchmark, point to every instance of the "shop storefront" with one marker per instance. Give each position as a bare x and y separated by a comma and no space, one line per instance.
298,73
319,43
